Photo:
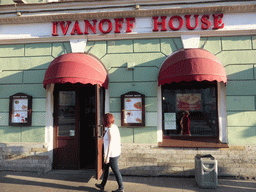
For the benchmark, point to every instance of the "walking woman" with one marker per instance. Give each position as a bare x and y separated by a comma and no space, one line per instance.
112,151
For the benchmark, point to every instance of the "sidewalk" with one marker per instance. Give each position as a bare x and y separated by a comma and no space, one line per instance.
84,180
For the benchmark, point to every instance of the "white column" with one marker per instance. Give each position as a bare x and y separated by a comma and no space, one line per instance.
190,41
78,45
159,115
49,119
222,112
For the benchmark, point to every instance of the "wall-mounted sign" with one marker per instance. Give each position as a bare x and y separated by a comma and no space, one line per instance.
189,101
127,25
20,110
133,109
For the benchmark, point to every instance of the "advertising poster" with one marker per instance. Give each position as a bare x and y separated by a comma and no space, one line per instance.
133,110
189,101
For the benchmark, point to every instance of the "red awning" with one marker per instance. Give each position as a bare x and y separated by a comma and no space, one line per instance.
191,65
76,68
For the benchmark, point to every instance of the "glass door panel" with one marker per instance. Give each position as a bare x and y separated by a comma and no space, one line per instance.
67,117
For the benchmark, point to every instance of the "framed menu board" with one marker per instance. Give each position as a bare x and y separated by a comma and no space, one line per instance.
20,110
133,109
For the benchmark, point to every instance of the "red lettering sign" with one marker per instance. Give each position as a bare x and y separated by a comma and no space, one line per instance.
175,23
129,24
206,24
105,26
188,24
93,28
218,21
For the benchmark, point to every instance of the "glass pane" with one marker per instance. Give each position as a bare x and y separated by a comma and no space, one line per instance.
67,119
199,99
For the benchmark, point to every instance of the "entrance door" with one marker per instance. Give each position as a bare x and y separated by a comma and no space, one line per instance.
66,127
99,130
78,111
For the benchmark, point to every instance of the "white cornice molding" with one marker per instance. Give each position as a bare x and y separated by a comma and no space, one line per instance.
55,39
46,17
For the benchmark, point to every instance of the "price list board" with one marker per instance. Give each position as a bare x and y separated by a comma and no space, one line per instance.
133,109
20,110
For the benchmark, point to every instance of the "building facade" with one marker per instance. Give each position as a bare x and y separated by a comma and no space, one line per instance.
144,62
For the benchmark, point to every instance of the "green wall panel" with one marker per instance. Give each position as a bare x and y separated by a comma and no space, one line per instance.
11,50
10,77
236,43
139,59
35,90
33,134
97,48
4,103
211,44
34,76
151,118
241,88
23,63
151,104
145,135
10,134
38,49
240,103
244,119
58,49
4,118
38,118
124,46
26,64
115,104
67,47
39,105
237,57
254,42
178,43
241,135
147,45
168,46
120,75
236,72
126,135
146,73
147,88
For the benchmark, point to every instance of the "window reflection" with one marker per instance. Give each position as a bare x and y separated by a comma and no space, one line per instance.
199,98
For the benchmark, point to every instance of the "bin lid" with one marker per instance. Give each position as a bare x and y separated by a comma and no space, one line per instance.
205,156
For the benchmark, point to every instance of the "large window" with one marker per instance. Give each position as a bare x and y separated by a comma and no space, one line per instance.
200,99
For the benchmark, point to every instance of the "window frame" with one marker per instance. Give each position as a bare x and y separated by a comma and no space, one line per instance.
219,141
187,84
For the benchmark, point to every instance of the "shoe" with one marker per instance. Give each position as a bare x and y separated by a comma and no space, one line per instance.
119,190
99,187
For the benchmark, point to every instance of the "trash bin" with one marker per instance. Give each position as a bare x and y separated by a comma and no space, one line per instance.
206,171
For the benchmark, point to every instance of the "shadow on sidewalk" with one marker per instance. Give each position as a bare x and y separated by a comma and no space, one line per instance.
84,180
56,179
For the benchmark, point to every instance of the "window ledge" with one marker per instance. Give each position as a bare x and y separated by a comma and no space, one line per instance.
191,142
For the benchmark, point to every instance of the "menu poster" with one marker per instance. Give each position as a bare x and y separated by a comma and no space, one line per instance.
170,121
20,110
133,110
189,101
